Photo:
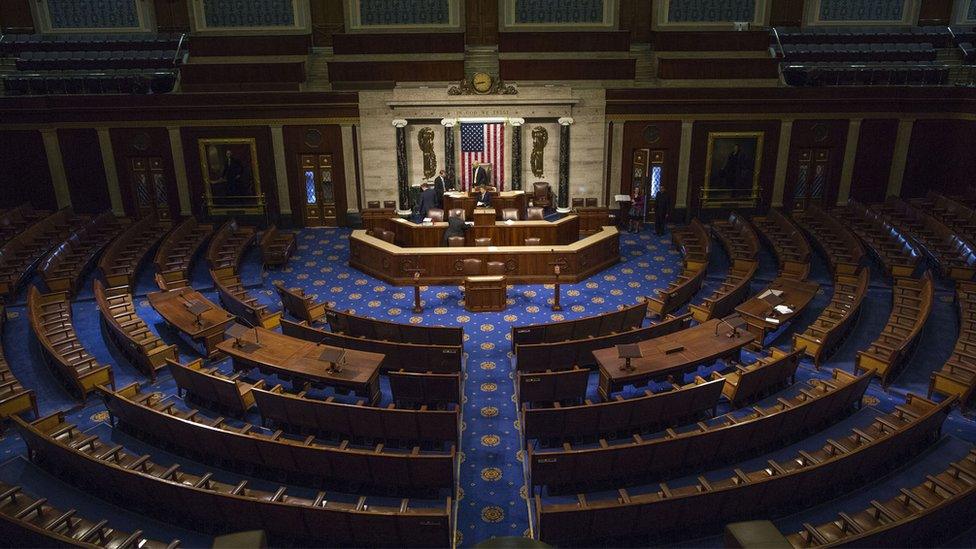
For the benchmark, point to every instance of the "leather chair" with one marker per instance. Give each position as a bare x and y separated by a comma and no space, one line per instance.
373,204
472,266
577,202
533,241
435,214
457,212
535,213
591,202
482,241
455,241
495,268
389,204
510,214
541,194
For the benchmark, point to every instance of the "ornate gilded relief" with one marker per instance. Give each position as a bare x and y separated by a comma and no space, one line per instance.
497,86
425,139
539,139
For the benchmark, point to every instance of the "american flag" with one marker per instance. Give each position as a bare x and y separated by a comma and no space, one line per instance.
483,144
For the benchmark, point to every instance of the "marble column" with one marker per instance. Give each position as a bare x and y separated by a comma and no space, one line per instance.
403,187
902,141
450,170
516,152
281,169
179,170
111,172
55,163
850,153
562,201
782,162
684,166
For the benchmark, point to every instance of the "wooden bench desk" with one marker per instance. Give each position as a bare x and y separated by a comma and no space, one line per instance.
796,295
173,307
674,353
485,293
299,360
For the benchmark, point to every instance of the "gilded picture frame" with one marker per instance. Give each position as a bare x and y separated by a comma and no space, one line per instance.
231,176
733,164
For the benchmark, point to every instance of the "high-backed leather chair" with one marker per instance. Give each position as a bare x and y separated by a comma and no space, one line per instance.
457,212
510,214
472,266
495,268
541,194
535,213
455,241
577,202
389,203
591,202
435,214
373,204
533,241
482,241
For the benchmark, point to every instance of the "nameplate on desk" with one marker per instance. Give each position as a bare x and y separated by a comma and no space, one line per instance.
674,349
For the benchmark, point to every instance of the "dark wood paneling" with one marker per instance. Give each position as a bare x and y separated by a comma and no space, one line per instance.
242,76
295,145
403,42
940,157
786,13
194,172
396,71
722,68
635,17
567,69
935,12
669,141
64,109
805,136
279,44
24,173
481,22
82,158
699,153
15,16
172,15
327,21
129,143
711,41
564,41
872,162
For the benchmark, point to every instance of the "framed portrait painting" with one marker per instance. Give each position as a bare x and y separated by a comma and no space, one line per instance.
231,179
732,167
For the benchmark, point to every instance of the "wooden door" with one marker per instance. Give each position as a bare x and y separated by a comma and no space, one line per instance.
812,177
149,187
319,209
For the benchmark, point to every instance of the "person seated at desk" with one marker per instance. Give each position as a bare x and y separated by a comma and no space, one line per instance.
455,227
483,197
428,200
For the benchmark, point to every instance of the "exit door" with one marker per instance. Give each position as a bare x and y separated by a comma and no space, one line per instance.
320,201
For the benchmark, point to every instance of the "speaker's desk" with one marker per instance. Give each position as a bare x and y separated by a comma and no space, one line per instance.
674,353
499,200
299,360
484,293
174,307
523,264
502,233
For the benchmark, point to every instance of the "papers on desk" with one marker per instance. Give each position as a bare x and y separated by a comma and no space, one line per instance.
509,222
480,204
621,198
469,223
492,248
768,293
428,221
772,320
783,309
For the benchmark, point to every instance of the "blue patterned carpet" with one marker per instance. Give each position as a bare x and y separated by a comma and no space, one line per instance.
491,496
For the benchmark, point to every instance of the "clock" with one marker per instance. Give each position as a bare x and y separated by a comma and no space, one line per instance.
481,82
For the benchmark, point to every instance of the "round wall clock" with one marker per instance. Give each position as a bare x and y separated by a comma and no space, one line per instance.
481,82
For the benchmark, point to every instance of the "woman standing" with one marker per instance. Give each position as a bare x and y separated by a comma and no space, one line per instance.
636,209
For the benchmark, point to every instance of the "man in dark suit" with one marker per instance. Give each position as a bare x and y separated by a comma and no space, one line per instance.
481,178
455,227
662,209
440,184
428,200
483,197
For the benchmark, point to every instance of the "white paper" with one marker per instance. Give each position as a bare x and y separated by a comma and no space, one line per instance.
492,248
509,222
783,309
772,320
621,198
469,223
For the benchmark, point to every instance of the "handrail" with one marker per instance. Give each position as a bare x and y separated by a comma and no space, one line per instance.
779,43
179,46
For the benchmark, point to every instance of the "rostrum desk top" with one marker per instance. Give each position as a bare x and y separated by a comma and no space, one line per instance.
523,264
502,233
290,357
499,201
674,353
